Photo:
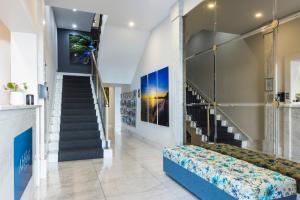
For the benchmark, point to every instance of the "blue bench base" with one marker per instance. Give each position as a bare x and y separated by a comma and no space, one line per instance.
198,186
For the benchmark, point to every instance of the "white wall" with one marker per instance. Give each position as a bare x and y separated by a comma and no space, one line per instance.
295,79
18,15
24,60
163,49
4,62
120,52
50,56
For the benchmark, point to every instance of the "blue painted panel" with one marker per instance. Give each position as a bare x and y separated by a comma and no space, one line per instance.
22,162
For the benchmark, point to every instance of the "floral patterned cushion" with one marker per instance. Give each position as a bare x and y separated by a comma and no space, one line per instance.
283,166
238,178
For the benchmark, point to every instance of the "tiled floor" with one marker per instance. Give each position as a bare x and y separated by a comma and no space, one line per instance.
134,172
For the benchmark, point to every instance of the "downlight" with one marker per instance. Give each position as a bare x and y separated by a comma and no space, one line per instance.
131,24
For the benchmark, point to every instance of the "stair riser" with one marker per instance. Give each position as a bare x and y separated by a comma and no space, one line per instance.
77,90
78,120
78,106
79,126
76,87
77,100
78,95
79,144
81,91
76,84
231,142
71,112
76,81
70,156
70,137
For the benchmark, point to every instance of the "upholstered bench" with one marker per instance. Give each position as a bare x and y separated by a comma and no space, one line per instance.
280,165
213,176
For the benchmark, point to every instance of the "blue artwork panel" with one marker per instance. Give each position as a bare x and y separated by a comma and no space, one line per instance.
22,162
144,98
163,96
152,96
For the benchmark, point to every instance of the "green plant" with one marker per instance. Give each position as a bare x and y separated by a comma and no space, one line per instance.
14,87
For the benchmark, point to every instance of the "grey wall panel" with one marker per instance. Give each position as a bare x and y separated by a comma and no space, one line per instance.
240,71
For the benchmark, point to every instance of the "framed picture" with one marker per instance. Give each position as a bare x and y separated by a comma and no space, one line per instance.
269,84
144,98
80,47
163,96
155,97
152,95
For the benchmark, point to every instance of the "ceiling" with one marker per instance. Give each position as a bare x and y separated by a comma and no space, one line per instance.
66,17
236,17
121,46
145,13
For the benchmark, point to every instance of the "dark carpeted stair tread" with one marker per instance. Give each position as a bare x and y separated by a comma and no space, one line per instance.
80,90
77,100
79,144
81,154
79,129
79,126
79,135
79,105
78,118
70,112
233,142
77,95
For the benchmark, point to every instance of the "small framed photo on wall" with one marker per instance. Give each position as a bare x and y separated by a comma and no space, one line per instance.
269,85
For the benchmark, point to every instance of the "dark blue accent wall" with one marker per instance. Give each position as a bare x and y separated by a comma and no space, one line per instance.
64,64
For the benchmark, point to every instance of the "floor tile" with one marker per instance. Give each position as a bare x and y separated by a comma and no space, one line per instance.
133,173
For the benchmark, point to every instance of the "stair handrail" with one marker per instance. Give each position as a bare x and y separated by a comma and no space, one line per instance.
101,96
227,117
100,83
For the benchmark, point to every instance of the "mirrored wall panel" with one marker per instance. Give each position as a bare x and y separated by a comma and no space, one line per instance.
242,62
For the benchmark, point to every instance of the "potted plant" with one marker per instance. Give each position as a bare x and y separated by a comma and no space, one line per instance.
16,92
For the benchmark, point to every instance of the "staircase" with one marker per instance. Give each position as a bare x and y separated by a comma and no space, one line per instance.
197,118
79,137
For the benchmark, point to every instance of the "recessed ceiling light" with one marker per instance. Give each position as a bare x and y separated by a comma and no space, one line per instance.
211,5
258,15
131,24
74,10
44,22
74,26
